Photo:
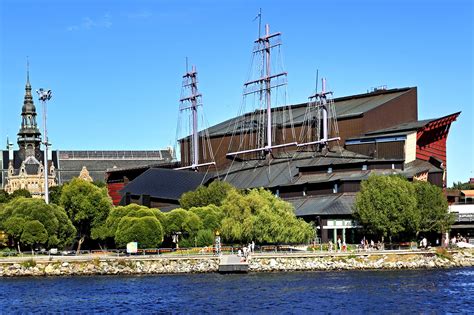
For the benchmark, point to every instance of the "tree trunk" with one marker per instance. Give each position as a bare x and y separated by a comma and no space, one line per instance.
81,240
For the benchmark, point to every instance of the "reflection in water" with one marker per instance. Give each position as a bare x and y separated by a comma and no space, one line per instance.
407,291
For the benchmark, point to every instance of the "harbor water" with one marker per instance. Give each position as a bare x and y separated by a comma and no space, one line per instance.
388,292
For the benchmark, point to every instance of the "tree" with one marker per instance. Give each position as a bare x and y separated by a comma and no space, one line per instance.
86,205
20,193
4,197
214,194
147,231
180,220
110,226
261,216
211,216
16,214
34,233
462,186
55,194
386,206
433,208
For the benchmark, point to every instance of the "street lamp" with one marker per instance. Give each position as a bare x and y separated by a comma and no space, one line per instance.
45,95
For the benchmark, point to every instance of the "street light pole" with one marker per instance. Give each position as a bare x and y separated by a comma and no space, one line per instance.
45,95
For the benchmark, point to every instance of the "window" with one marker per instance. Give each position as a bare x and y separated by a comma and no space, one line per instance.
364,167
334,189
329,170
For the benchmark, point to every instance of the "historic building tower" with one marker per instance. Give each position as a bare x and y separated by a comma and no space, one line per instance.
26,166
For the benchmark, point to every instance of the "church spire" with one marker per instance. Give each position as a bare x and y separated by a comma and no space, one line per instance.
29,136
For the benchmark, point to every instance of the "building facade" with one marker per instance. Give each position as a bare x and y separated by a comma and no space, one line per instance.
24,168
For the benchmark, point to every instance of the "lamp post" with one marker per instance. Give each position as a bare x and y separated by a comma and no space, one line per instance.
45,95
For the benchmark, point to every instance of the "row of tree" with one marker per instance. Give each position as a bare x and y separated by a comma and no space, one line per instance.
391,206
82,212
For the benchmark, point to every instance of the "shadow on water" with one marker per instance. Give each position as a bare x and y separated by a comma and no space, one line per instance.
392,292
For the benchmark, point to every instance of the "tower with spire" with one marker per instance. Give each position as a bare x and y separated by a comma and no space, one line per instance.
29,136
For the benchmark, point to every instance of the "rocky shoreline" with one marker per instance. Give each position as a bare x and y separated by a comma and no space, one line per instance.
257,263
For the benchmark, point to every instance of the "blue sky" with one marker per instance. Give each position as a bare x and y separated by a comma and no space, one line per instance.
115,67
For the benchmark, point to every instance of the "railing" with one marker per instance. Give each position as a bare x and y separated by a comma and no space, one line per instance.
210,250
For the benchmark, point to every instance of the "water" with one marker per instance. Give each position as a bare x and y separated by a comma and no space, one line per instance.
375,292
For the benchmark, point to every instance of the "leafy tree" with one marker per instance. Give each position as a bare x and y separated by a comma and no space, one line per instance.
263,217
86,205
386,206
55,194
433,208
180,220
214,194
20,193
34,233
204,237
110,226
16,214
462,186
14,228
4,197
147,231
99,183
211,216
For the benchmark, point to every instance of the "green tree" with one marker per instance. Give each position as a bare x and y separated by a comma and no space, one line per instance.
214,194
147,231
211,216
55,194
204,238
34,233
20,193
433,208
386,206
86,205
110,226
462,186
19,211
180,220
263,217
4,196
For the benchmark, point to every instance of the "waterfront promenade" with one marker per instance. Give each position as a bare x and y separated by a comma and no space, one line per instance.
105,264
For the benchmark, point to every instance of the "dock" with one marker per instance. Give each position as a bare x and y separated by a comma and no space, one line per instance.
233,264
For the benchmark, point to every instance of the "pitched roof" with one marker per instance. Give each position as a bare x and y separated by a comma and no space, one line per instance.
347,106
165,183
335,204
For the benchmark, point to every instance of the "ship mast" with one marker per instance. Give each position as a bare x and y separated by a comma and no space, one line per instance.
325,106
192,102
263,86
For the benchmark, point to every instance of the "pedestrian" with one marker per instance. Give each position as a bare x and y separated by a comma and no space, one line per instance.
330,246
239,252
424,243
339,244
253,246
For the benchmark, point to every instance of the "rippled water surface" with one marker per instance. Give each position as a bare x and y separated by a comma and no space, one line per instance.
393,292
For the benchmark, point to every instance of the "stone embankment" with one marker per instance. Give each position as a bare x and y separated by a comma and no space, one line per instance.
372,260
257,263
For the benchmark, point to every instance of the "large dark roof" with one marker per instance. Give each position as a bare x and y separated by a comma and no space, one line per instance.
348,106
334,204
165,183
286,172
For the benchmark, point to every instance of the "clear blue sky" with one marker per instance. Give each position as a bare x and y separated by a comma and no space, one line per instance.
115,66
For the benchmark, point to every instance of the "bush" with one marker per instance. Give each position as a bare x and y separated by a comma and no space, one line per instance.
443,253
28,263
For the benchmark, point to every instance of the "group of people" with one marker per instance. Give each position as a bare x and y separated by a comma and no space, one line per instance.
366,245
245,251
340,246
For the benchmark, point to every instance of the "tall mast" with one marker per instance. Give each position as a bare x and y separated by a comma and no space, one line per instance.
324,104
263,87
192,102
